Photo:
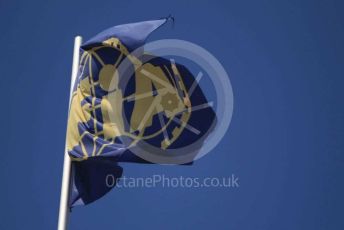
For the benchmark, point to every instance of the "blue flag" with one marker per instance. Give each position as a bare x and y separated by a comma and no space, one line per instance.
114,116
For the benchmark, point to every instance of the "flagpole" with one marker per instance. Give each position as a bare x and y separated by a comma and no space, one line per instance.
65,188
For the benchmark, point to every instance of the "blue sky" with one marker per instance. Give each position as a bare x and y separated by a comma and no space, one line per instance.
285,142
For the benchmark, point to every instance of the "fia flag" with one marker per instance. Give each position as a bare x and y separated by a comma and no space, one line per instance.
116,116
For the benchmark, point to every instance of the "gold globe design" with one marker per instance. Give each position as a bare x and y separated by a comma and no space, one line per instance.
164,100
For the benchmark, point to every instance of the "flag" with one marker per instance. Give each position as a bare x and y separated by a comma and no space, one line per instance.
114,117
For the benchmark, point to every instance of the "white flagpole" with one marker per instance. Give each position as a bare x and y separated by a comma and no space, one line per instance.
65,189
